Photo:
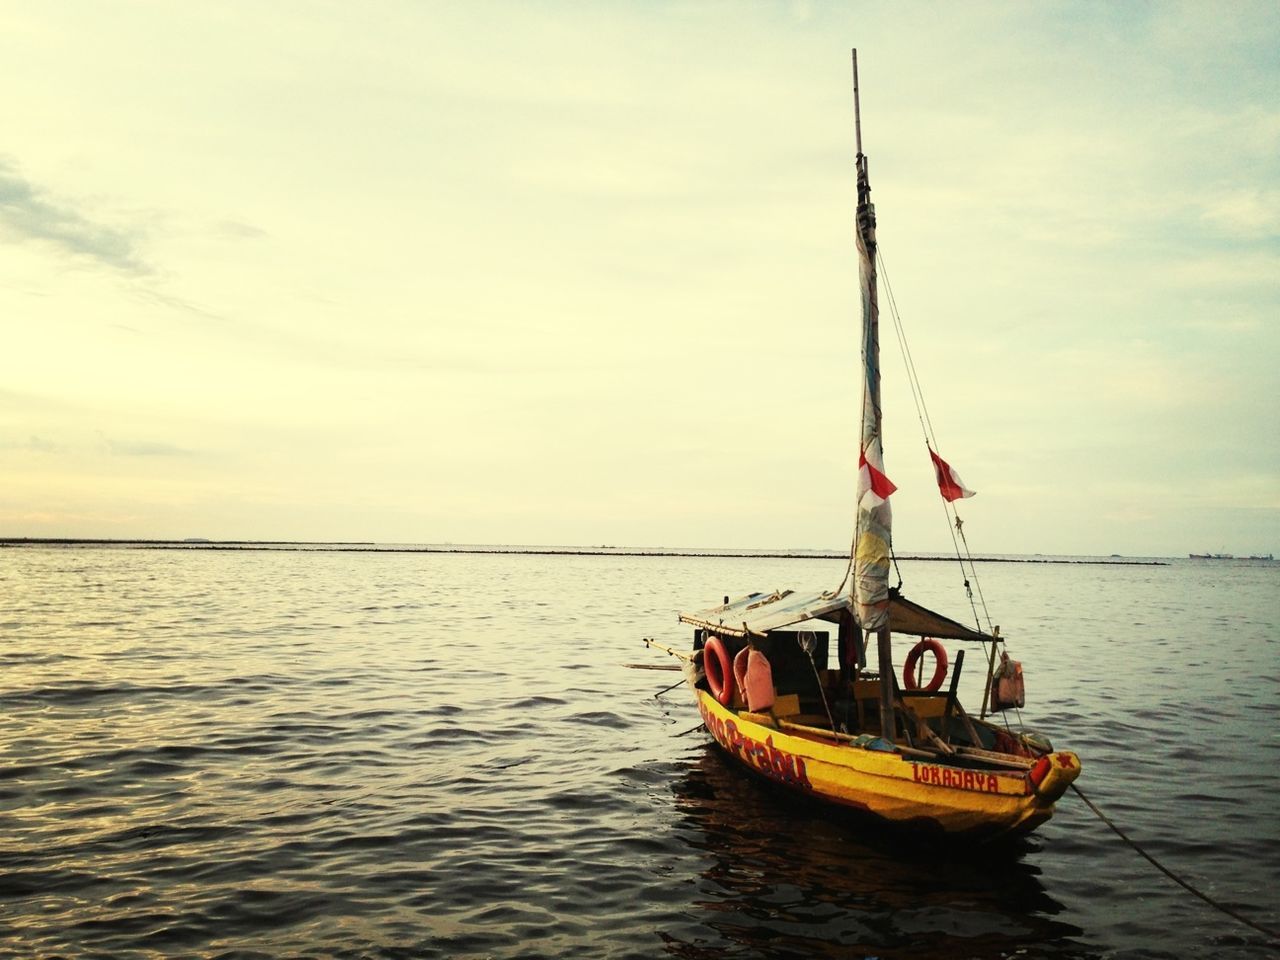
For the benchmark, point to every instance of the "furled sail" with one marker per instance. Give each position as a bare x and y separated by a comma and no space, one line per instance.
873,539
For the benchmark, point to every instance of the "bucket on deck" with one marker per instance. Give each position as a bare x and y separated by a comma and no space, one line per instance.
1007,688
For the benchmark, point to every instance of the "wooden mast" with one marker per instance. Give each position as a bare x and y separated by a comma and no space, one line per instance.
871,408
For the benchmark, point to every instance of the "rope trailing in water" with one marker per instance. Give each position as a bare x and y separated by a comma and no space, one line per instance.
1273,934
678,683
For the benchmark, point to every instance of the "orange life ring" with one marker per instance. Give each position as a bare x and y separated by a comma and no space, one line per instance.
715,662
939,671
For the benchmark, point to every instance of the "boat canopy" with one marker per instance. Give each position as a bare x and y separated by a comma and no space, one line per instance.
758,613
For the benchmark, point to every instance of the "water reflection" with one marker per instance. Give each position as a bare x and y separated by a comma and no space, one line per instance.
783,879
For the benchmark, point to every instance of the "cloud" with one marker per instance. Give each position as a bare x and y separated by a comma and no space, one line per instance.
236,230
175,303
28,212
146,448
1250,213
33,444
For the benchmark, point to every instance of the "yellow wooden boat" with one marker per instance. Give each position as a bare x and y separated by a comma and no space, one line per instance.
850,735
962,795
923,762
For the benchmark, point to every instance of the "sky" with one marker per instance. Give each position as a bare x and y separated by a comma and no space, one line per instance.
569,273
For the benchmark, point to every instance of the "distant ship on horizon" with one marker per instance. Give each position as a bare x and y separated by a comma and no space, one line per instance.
1229,556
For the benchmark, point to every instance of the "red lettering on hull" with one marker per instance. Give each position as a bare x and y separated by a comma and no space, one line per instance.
959,779
777,764
788,768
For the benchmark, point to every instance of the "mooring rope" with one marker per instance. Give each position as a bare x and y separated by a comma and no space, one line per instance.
678,683
1273,934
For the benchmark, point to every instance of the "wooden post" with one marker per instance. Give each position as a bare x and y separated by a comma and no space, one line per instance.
888,724
951,696
665,649
857,107
991,672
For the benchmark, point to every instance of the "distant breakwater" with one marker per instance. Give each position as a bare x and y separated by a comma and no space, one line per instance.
373,547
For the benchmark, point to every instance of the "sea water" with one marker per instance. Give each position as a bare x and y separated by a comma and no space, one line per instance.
289,753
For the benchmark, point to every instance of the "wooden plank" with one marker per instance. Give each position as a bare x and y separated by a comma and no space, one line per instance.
788,725
929,707
952,700
999,759
968,725
786,705
923,731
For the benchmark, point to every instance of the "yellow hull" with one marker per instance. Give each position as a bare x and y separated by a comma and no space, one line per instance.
899,789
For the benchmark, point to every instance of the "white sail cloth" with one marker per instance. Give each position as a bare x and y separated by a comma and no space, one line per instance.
872,544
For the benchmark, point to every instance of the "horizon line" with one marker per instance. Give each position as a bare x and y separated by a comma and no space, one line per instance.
373,546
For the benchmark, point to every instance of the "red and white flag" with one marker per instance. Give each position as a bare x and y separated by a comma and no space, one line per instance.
949,482
871,479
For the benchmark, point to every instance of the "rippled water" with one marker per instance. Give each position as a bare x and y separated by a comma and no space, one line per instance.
298,754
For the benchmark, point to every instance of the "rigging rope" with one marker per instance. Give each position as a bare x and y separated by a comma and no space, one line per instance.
849,569
954,524
1273,934
808,643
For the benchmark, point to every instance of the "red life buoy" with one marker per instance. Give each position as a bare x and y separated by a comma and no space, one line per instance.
715,662
939,671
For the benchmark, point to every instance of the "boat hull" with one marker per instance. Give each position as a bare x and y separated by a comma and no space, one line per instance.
960,802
